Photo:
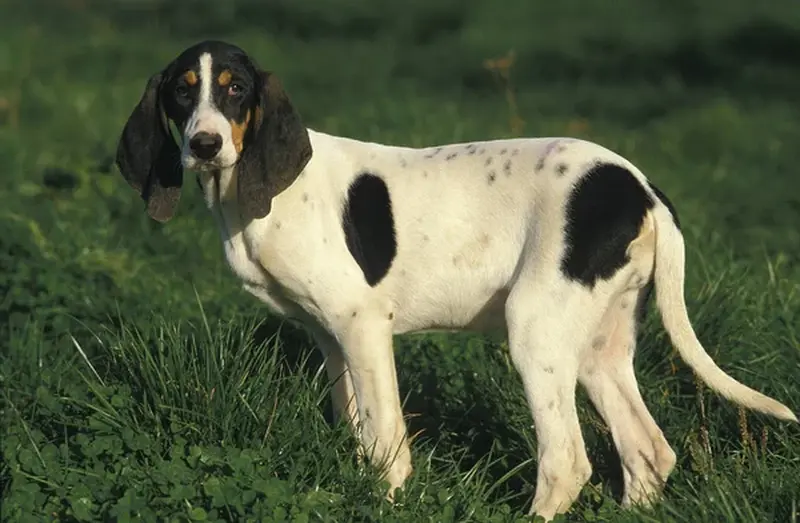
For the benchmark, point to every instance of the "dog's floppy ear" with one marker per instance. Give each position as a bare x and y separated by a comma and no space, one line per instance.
148,157
276,153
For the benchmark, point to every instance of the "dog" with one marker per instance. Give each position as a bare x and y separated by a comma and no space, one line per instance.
557,241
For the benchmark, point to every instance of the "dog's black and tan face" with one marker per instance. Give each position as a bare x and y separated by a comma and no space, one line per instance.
231,115
211,94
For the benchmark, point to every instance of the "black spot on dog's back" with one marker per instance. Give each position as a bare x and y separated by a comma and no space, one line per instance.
368,226
667,203
604,214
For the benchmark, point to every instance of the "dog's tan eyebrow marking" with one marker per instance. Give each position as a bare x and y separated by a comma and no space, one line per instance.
224,78
191,77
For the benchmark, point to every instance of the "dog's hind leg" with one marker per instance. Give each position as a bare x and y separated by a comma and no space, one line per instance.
607,374
544,342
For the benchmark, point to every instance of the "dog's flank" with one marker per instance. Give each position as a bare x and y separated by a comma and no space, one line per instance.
556,241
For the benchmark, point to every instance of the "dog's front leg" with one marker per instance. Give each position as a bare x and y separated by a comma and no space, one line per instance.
343,393
367,348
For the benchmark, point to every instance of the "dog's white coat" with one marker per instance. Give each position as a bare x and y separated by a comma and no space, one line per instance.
470,255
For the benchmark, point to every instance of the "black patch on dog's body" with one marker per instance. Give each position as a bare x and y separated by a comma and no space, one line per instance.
368,225
667,203
604,214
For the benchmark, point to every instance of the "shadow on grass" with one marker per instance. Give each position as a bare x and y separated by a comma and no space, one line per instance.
478,412
468,420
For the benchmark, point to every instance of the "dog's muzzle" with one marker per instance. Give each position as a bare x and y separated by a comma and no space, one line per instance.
205,146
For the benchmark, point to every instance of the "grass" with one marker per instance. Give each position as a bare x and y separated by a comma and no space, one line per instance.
140,383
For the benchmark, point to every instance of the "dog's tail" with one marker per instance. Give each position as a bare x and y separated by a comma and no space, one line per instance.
669,281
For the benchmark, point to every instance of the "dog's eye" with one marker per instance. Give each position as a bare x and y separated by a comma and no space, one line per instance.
182,91
235,89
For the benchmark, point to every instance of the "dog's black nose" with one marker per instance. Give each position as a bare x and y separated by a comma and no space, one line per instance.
205,145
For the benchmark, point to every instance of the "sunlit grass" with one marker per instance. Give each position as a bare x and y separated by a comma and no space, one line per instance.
138,380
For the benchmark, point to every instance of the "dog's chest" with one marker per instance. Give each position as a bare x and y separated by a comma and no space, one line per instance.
240,260
241,247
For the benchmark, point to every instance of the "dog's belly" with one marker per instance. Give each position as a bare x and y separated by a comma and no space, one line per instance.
455,280
451,307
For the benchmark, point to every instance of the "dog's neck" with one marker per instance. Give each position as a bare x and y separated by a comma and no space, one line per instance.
220,193
219,187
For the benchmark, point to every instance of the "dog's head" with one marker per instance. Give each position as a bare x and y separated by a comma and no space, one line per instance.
230,114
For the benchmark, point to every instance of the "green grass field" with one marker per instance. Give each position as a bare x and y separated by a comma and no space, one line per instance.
140,383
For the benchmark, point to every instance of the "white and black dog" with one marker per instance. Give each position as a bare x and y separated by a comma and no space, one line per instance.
558,241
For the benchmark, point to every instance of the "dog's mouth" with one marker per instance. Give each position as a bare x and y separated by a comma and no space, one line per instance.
206,165
192,163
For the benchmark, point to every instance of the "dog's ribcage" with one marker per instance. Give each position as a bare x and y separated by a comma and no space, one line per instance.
464,216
